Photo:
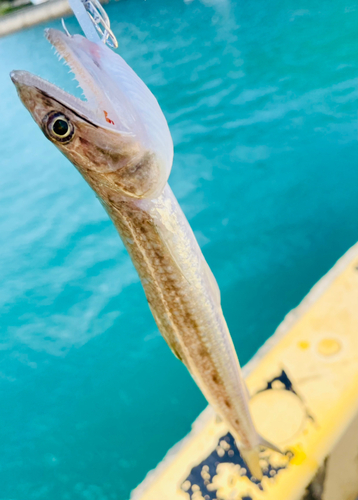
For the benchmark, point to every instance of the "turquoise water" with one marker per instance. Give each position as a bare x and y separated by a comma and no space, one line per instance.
261,101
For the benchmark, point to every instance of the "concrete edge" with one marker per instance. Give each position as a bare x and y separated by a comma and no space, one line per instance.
32,15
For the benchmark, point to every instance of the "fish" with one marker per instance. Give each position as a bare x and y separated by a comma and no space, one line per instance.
119,140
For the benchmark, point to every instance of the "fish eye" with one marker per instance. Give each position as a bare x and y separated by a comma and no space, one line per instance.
59,127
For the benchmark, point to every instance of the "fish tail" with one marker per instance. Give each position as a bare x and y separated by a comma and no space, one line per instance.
252,456
269,445
252,460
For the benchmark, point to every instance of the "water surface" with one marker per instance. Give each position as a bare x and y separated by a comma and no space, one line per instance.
261,101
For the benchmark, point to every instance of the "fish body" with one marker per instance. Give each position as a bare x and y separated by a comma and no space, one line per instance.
120,142
185,301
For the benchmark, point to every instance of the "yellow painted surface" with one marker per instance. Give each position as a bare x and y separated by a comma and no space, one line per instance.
317,347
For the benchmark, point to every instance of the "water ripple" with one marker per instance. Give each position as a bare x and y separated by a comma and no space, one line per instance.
261,101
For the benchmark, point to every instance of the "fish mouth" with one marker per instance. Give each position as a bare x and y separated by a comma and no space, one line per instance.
80,55
23,80
116,98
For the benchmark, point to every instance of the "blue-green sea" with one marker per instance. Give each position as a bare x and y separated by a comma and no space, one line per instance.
261,100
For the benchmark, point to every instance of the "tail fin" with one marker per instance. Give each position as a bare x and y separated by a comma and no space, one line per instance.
270,446
252,457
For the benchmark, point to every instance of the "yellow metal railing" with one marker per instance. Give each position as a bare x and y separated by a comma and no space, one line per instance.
304,388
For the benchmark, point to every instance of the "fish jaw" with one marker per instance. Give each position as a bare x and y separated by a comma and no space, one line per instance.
112,162
30,88
119,106
120,98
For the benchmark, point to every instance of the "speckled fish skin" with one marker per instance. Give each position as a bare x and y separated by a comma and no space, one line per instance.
127,164
184,300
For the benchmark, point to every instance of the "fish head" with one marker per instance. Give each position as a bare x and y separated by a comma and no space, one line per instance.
118,138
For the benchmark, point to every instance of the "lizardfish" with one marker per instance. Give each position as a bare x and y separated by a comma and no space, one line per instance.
120,142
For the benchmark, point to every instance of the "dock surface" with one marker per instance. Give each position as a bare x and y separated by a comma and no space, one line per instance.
33,14
304,398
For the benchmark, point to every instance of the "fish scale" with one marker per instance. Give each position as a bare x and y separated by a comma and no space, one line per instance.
182,304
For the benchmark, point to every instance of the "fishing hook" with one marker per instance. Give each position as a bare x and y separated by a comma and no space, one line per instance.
100,21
